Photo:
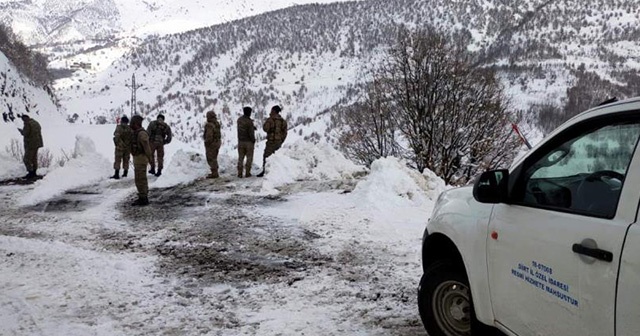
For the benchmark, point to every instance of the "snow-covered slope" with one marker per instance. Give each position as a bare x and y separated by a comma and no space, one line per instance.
51,21
19,96
308,58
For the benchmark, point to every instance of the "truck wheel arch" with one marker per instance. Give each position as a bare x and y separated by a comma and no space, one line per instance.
438,247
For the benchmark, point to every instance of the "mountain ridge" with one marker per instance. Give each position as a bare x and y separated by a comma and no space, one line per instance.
312,59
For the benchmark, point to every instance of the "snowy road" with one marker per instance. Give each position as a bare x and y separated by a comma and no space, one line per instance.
216,258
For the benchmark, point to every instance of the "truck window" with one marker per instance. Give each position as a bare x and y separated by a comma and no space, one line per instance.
584,174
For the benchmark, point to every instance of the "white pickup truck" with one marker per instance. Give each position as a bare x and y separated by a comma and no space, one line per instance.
550,246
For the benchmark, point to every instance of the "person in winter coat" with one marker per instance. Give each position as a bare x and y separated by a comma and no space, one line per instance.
246,142
122,138
32,134
276,128
212,142
141,151
159,135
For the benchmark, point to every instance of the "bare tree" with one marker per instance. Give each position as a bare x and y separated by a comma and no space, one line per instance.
369,127
589,90
29,62
454,115
547,116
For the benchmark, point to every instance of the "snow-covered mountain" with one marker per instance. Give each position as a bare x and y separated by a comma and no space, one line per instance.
18,96
56,21
309,58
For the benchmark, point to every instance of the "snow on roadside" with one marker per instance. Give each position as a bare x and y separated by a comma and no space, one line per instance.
10,168
304,161
85,168
392,183
377,231
187,166
391,204
53,288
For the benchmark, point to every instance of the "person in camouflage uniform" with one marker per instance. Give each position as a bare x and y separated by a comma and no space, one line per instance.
276,128
122,140
246,142
32,134
159,135
141,151
212,143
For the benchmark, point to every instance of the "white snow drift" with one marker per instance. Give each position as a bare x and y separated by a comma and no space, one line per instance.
391,182
85,168
304,161
10,168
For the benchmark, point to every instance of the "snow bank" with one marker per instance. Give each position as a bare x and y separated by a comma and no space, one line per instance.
304,161
187,166
392,183
10,168
85,168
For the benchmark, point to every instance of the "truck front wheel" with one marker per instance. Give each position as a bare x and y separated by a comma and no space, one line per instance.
444,301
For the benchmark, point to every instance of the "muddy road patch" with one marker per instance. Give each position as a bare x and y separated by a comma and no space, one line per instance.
217,238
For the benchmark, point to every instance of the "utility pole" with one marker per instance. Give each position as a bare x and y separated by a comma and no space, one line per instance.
133,87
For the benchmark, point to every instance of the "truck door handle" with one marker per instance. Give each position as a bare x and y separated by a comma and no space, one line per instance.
593,252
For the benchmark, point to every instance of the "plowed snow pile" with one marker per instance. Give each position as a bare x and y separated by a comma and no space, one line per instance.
10,168
185,166
392,183
85,168
304,161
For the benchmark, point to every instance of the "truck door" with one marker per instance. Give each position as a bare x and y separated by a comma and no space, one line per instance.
628,302
554,250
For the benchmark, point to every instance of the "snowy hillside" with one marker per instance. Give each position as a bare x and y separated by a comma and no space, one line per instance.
18,96
54,21
309,58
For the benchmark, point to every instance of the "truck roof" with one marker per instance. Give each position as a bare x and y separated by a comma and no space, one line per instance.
613,104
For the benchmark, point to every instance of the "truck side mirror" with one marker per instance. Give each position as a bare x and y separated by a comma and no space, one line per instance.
491,187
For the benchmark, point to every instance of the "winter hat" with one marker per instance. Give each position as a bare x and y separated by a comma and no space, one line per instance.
136,119
124,119
161,116
211,115
276,108
247,111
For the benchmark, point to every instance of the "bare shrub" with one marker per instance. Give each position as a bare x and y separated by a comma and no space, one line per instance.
15,150
368,127
45,158
62,159
453,114
548,116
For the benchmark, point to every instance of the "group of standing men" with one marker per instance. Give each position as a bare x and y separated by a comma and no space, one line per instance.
275,127
159,135
143,145
131,139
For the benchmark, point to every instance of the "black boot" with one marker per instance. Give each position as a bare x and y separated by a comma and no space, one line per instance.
261,174
116,175
152,171
31,175
141,201
159,173
124,173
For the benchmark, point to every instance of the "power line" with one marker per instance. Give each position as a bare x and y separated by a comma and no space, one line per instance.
133,87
